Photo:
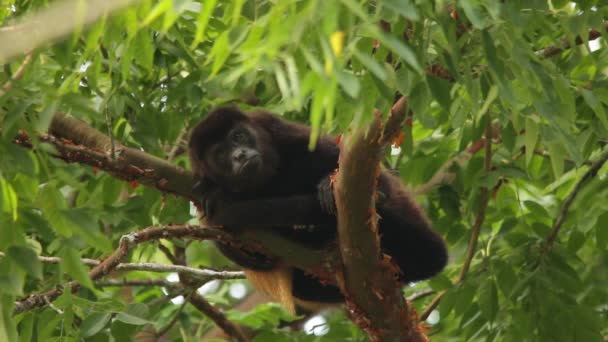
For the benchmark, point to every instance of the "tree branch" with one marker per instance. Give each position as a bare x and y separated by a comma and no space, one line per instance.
563,212
8,85
217,316
565,43
127,242
484,198
154,267
372,292
138,282
76,141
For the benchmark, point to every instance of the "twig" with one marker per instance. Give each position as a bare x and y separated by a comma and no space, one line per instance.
563,212
217,316
169,325
138,282
443,175
127,242
178,143
479,219
8,85
153,267
419,295
167,252
565,44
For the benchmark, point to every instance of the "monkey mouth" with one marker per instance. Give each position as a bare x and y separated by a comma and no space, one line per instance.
250,165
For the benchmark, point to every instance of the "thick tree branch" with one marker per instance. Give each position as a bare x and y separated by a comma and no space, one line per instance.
51,23
563,212
372,291
130,163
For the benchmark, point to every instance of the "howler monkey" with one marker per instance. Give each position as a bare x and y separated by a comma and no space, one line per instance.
256,170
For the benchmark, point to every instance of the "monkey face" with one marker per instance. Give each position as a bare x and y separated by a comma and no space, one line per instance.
237,156
231,151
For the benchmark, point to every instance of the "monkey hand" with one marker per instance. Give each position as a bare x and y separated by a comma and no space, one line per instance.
212,200
325,193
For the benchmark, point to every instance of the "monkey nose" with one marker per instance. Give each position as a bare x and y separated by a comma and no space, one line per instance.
240,155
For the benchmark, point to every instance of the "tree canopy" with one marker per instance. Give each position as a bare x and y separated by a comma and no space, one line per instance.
498,120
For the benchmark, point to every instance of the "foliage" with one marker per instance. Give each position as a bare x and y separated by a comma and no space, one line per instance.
148,72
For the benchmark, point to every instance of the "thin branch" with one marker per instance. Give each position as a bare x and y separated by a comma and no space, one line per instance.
167,252
419,295
217,317
203,273
8,85
138,282
127,242
565,43
443,175
563,212
179,143
479,219
154,267
167,327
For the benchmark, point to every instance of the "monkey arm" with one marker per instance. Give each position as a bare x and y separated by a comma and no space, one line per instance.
299,210
406,233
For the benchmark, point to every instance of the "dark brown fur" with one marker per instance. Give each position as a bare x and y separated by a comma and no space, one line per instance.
289,195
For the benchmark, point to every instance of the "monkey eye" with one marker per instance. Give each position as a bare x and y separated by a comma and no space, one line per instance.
239,137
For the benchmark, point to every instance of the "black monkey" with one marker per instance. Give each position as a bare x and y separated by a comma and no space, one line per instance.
255,170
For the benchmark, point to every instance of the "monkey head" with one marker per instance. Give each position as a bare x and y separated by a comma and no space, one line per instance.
230,150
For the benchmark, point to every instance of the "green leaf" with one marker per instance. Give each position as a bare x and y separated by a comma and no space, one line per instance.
8,201
158,10
440,89
404,8
219,52
27,260
93,323
530,138
488,300
596,105
130,319
492,95
8,330
71,264
490,51
472,10
371,64
135,314
349,83
601,233
264,315
401,49
145,50
558,157
202,21
356,8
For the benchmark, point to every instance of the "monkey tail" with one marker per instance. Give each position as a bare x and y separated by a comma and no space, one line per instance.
277,284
